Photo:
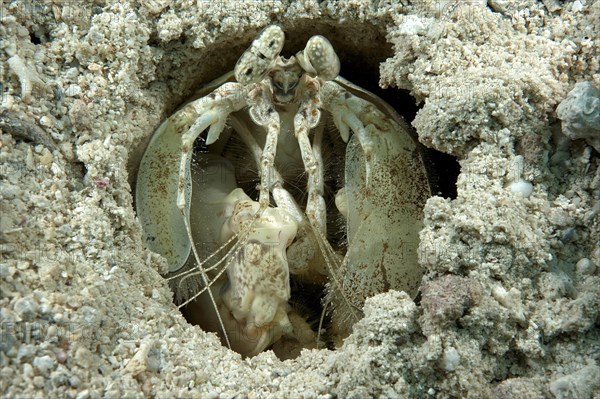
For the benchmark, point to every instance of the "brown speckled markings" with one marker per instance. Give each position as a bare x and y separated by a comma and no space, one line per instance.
382,254
163,226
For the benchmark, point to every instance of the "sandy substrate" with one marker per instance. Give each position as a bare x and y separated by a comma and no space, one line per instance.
509,307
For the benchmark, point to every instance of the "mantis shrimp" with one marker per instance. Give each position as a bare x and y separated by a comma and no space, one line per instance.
289,117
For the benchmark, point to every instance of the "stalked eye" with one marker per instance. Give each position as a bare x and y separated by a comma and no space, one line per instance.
260,57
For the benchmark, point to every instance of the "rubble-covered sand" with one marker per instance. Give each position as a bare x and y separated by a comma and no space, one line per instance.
509,307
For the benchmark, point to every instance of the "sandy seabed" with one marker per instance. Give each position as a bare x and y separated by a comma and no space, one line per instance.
509,305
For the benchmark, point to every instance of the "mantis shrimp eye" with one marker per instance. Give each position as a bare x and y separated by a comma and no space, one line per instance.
322,57
260,58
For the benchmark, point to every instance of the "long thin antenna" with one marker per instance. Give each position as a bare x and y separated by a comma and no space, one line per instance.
205,278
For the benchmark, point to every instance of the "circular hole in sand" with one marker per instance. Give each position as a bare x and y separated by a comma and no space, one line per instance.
360,60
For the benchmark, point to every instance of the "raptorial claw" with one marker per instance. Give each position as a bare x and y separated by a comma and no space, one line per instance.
345,108
259,286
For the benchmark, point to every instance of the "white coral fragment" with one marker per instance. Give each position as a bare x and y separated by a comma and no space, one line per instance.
585,267
580,384
521,187
27,77
139,362
414,25
580,114
450,360
510,300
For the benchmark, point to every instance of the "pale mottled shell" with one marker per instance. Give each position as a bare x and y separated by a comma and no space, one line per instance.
156,197
385,218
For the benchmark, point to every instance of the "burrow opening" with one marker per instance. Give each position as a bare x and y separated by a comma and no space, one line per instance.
361,50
